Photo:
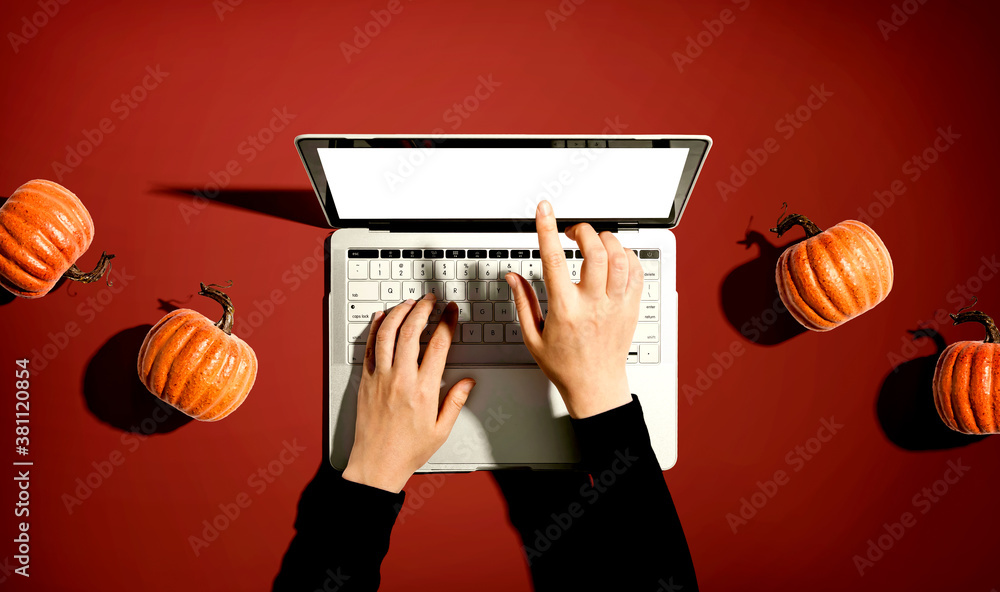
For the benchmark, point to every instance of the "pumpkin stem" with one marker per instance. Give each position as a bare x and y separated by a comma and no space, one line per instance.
103,266
992,333
785,223
213,292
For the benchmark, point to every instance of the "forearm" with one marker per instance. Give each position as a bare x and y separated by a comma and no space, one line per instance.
342,535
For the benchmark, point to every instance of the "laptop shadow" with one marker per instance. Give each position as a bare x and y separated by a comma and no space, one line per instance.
296,205
905,405
749,295
115,395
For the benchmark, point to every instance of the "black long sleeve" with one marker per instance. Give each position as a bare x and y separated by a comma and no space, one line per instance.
342,535
620,532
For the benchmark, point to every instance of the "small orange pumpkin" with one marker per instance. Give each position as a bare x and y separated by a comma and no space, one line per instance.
44,229
197,366
967,380
833,275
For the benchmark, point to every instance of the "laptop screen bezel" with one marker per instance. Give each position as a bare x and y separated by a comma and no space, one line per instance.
308,147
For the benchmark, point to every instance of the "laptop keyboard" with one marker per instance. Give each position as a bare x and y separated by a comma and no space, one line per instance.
488,330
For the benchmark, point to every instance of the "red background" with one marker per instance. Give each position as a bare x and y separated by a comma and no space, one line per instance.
606,61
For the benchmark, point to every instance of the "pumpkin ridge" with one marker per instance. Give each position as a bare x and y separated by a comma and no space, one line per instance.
988,425
248,382
16,275
963,364
879,256
871,263
980,395
31,265
57,215
154,335
944,379
178,374
223,383
68,202
846,271
995,392
796,304
32,241
816,298
160,368
202,368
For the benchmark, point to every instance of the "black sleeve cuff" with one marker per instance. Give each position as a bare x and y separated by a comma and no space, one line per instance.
618,433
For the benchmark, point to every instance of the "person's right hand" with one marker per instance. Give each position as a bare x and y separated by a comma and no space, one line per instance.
589,326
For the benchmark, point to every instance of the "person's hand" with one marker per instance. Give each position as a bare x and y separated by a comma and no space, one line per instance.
589,326
399,424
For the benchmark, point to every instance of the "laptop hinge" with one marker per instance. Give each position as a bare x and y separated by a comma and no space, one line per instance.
628,226
378,227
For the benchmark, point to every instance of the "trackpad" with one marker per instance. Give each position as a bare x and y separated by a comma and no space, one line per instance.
513,416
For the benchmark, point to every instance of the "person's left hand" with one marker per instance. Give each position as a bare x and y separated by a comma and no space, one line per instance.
399,424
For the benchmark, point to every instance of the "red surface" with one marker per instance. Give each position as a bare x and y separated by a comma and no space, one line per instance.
608,61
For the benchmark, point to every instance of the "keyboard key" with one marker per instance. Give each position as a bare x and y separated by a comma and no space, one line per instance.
456,337
444,270
542,305
362,253
357,270
576,143
540,291
493,333
464,312
498,254
513,334
650,268
649,254
454,290
356,353
437,311
597,143
574,269
650,290
436,288
433,253
568,253
579,254
357,332
482,312
499,291
477,291
508,266
390,253
477,254
633,354
422,270
391,291
412,253
520,254
400,270
649,353
531,270
455,253
361,312
362,290
413,290
466,270
649,312
378,270
472,333
646,333
488,270
503,311
425,335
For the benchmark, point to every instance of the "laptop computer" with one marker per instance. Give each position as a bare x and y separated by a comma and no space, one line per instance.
451,214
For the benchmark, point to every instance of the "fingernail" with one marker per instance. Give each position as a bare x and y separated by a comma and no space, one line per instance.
378,315
429,296
408,301
544,207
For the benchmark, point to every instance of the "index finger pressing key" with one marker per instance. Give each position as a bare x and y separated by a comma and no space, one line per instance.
554,271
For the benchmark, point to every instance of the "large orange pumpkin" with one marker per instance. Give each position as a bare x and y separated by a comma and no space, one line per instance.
833,275
44,229
967,380
197,366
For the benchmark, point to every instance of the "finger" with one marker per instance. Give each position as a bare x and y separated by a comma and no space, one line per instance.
636,276
439,344
618,264
377,319
594,272
385,340
554,271
408,345
452,405
529,313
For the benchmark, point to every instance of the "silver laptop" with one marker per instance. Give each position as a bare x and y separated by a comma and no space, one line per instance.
451,215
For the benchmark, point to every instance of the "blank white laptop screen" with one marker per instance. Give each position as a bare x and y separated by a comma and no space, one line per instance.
502,183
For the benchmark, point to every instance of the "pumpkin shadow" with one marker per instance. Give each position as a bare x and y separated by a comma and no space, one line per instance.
749,296
6,297
297,205
116,396
905,405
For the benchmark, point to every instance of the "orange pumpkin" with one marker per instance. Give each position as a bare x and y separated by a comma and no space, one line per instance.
833,275
44,229
967,380
197,366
